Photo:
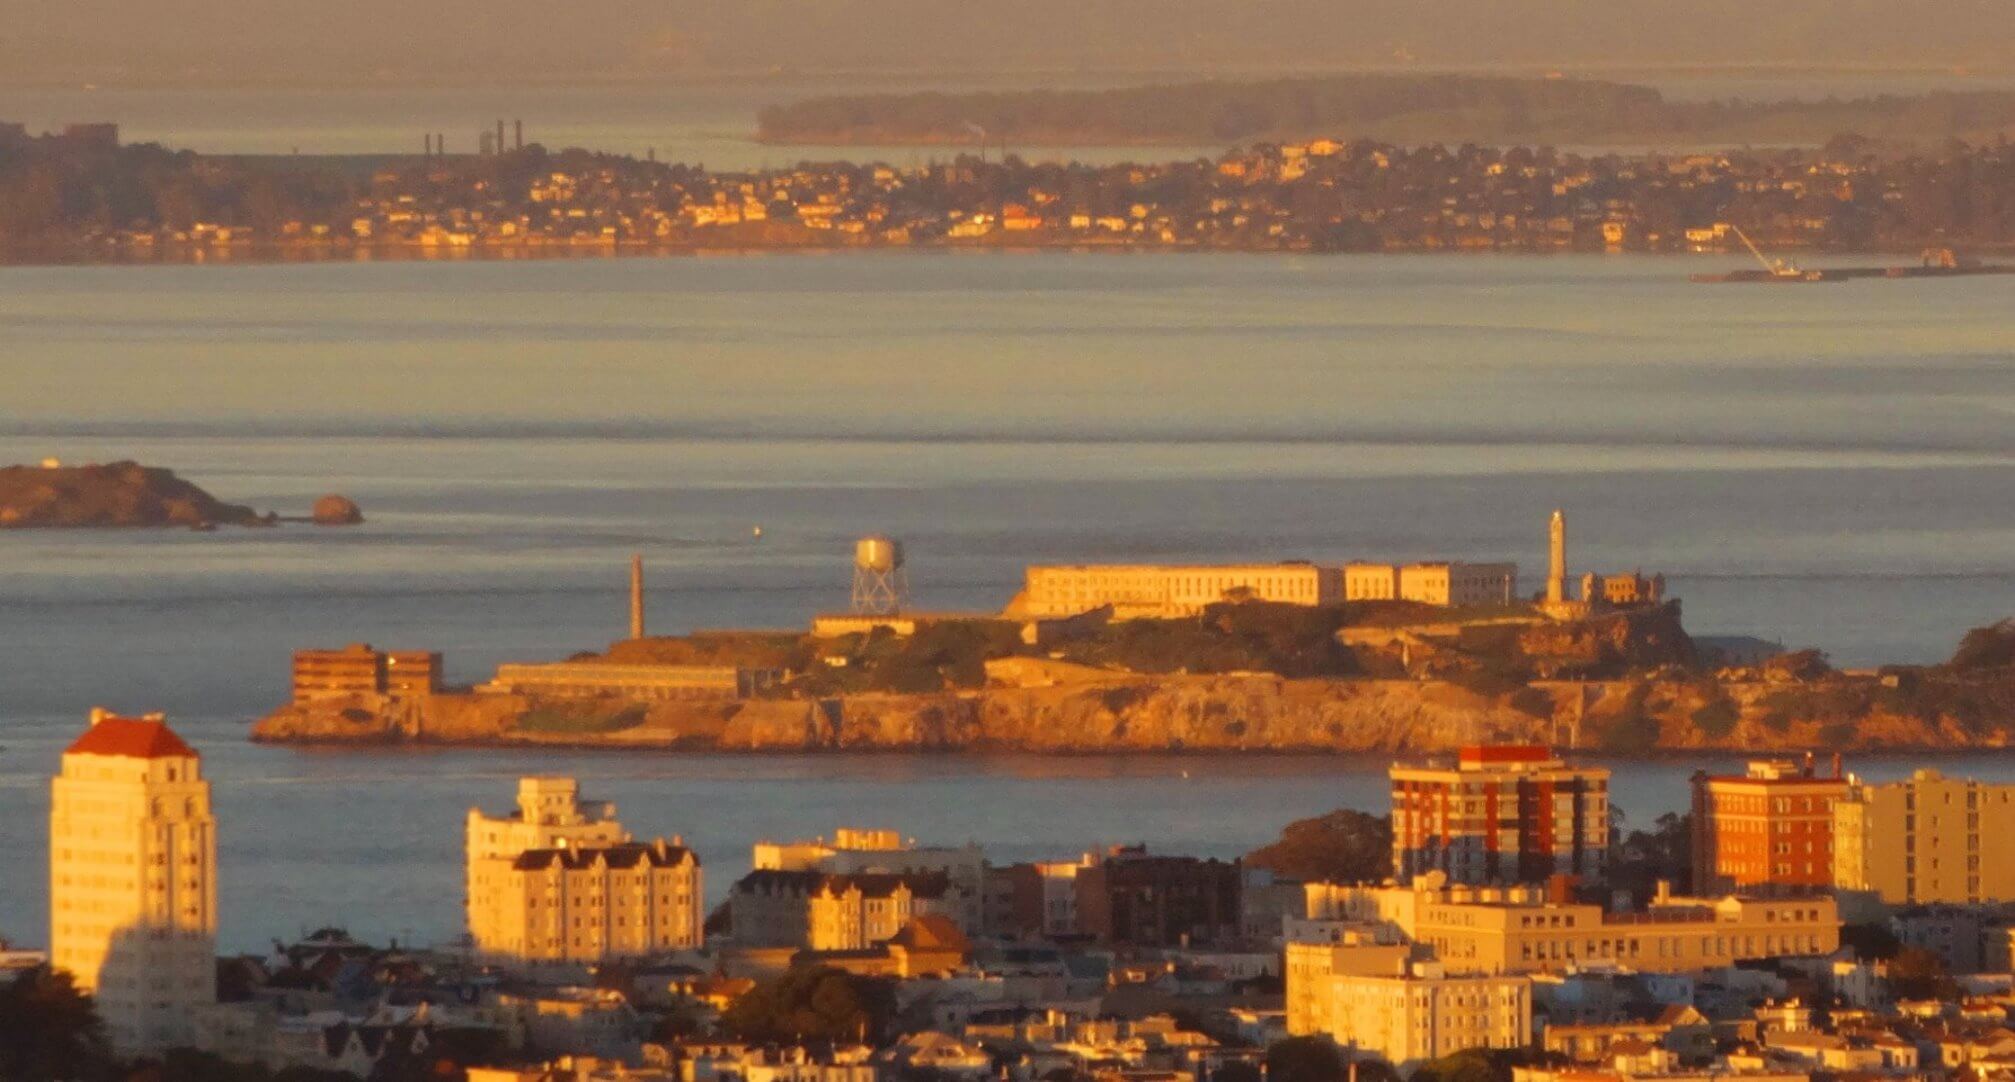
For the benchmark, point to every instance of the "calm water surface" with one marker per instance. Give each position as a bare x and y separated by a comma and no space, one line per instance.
1826,466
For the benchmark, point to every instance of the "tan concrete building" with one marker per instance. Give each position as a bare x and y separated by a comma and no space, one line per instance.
854,851
1365,950
1769,828
1402,1013
1500,814
595,903
1497,930
1926,840
550,815
1168,591
133,880
818,911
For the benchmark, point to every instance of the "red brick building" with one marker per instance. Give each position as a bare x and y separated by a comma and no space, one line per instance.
1771,827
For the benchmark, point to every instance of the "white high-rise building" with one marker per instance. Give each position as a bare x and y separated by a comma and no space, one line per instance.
133,879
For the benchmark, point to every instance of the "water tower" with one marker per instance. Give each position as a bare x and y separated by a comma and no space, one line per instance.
880,587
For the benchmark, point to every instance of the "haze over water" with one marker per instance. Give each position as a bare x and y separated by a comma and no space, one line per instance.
1828,466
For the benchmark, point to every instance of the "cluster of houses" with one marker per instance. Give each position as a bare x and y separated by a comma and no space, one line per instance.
1325,194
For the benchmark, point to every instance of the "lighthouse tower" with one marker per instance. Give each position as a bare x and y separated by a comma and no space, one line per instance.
1556,566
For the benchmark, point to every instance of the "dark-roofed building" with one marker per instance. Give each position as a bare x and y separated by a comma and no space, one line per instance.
823,912
1134,899
593,903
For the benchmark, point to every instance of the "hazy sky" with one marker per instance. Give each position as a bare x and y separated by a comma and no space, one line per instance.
276,41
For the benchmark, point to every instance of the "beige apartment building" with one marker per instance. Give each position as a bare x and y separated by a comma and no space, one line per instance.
560,880
854,851
1930,839
133,880
817,911
1497,930
594,903
1376,1004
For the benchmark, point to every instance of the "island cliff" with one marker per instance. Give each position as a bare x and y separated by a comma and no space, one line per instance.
1042,705
117,495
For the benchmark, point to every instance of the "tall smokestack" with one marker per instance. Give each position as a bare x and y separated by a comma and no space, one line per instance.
637,597
518,133
500,135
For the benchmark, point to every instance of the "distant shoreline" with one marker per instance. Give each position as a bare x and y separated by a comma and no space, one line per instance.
304,255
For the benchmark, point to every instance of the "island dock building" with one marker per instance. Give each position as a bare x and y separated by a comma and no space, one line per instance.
1928,840
1770,828
560,880
357,669
593,679
1500,814
133,880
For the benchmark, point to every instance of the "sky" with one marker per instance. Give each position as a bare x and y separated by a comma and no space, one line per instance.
392,42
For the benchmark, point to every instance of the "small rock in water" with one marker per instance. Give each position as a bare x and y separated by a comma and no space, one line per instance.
334,510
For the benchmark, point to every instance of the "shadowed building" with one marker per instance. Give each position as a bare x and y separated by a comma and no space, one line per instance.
1133,899
1501,814
133,880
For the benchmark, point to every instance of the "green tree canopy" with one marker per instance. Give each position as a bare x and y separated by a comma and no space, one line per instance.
1345,846
820,1004
49,1030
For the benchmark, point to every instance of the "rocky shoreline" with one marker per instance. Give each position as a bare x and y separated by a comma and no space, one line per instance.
1204,714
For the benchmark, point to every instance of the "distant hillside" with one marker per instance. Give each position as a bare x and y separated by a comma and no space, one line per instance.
1395,108
119,495
388,41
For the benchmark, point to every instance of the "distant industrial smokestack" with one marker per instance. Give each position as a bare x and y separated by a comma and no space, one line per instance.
518,133
637,597
500,135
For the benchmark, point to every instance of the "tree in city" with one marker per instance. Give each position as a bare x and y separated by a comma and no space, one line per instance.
49,1030
1344,846
819,1004
1305,1059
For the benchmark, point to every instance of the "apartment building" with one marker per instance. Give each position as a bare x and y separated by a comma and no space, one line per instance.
1767,829
1500,814
133,880
1930,839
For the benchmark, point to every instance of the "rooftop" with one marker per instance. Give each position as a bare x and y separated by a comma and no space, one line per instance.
130,738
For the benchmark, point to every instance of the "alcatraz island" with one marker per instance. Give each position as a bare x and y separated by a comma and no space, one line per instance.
1291,656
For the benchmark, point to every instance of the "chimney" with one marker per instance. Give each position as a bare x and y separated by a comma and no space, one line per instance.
500,135
518,132
98,714
1837,775
637,596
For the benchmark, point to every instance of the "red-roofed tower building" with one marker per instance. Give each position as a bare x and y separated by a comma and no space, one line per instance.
133,879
